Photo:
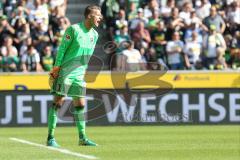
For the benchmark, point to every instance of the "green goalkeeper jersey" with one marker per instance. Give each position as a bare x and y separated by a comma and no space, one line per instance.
76,49
73,55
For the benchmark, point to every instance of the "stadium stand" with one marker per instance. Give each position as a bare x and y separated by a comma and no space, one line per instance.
183,34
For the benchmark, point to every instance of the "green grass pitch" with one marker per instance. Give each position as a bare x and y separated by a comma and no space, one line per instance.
128,143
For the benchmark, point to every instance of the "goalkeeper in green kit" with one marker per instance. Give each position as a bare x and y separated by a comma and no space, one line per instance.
69,70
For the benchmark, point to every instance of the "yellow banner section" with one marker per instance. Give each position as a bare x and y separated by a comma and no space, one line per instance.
133,80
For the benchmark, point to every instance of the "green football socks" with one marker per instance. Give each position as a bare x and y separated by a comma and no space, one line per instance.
52,121
80,121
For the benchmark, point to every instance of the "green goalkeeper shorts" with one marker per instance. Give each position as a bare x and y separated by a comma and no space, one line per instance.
71,86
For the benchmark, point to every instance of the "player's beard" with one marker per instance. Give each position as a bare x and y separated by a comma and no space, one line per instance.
92,22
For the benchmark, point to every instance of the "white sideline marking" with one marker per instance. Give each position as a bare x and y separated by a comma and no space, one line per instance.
65,151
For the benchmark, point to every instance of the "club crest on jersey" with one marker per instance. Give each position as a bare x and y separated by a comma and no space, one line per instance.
68,37
91,39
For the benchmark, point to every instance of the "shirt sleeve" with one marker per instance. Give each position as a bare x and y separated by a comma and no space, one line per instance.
66,41
37,57
168,48
3,51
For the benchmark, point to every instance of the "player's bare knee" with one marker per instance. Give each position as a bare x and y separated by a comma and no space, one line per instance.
79,102
58,101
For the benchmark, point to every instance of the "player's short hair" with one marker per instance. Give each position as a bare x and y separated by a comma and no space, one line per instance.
89,9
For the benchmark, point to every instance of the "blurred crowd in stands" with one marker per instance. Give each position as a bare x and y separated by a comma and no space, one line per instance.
30,33
149,34
174,34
